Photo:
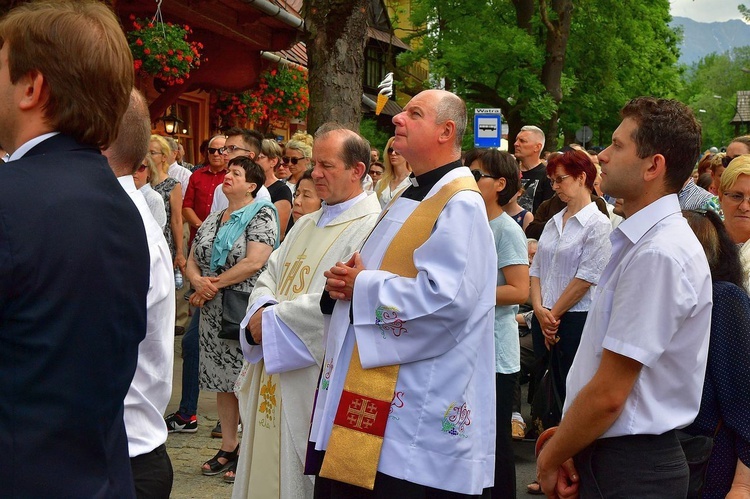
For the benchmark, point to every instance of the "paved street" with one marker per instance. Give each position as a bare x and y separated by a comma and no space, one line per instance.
189,450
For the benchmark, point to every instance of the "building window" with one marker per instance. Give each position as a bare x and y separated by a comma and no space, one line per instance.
374,68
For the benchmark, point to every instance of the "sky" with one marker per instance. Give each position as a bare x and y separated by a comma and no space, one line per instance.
707,10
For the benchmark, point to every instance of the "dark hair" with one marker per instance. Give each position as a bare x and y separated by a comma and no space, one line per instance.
575,163
667,127
306,176
705,180
252,138
721,252
355,149
378,164
253,171
471,155
501,164
81,50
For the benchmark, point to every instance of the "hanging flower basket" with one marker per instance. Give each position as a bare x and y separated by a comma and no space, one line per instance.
281,95
235,109
162,50
284,93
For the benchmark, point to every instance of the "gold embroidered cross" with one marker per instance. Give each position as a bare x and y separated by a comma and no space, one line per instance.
361,413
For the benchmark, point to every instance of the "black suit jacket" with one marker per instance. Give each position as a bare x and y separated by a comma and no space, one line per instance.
74,273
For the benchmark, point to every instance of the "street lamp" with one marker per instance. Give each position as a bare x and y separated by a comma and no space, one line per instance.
171,122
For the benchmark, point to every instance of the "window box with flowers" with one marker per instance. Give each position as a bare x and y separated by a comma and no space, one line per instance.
163,50
281,95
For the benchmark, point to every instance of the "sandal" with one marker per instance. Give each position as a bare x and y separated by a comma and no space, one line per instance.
229,478
215,467
534,489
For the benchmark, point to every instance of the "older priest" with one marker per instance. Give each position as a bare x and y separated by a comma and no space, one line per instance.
286,321
408,407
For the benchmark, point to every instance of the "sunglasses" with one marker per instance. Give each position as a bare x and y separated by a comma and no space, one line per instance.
142,168
393,151
215,150
726,160
479,175
286,160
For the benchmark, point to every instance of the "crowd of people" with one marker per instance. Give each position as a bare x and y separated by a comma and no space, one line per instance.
361,320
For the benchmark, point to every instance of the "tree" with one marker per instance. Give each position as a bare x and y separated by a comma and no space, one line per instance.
547,63
335,40
710,89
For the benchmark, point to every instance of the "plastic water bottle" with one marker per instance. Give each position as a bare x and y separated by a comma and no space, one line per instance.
177,279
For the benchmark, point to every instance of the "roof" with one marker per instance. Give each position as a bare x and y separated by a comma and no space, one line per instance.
386,37
742,114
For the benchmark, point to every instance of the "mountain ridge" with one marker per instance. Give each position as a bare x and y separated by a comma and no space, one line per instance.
701,39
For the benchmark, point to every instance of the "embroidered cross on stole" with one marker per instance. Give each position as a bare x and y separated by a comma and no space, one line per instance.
356,439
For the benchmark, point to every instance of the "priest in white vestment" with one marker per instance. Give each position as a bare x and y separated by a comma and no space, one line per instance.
424,335
277,386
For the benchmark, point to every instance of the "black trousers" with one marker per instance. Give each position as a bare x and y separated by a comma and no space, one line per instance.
152,474
642,466
386,487
505,465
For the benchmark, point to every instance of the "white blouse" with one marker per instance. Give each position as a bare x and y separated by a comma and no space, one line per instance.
579,249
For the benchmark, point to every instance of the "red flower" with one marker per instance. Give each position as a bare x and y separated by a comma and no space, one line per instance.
147,51
139,42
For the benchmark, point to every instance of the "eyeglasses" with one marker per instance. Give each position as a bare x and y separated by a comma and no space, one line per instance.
375,173
393,151
232,148
558,179
726,160
142,168
479,175
155,153
736,197
286,160
215,150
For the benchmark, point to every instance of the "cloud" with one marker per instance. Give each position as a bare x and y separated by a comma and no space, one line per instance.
706,10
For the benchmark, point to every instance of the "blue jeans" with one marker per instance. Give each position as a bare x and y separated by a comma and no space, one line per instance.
190,360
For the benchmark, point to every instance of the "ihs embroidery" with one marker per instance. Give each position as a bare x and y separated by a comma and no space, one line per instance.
267,407
386,318
396,403
456,419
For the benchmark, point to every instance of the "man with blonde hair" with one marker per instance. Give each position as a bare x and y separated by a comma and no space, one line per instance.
74,258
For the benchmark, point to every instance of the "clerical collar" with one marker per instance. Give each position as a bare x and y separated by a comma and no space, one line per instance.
330,212
421,184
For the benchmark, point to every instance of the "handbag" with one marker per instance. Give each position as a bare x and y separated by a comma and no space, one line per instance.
547,403
233,308
697,449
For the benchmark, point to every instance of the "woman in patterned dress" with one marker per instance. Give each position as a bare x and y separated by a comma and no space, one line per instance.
230,250
158,149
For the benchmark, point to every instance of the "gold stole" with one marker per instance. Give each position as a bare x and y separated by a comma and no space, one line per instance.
301,264
354,447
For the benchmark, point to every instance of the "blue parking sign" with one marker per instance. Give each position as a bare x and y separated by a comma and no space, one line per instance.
487,129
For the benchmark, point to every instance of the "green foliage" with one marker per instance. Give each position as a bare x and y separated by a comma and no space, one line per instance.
617,50
368,128
711,85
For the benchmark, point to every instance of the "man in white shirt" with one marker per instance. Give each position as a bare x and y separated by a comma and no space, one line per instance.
638,374
177,171
151,387
406,403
